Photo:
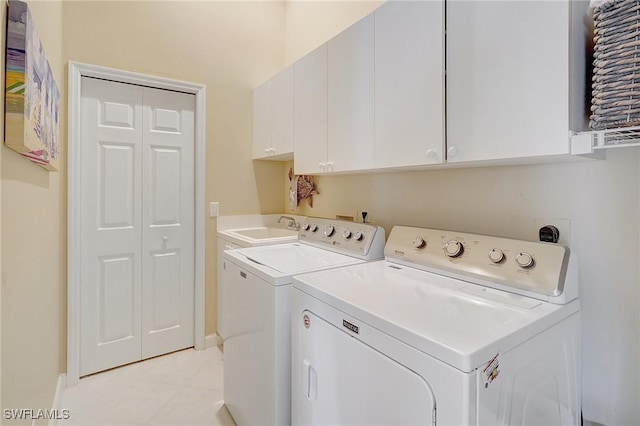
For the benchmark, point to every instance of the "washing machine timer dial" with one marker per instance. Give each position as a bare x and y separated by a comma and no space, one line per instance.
496,255
358,236
306,227
346,234
329,230
418,242
453,248
525,260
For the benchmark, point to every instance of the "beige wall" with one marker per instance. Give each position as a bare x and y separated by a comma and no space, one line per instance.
33,261
311,23
230,47
601,199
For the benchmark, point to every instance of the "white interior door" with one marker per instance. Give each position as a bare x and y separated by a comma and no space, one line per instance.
136,223
168,221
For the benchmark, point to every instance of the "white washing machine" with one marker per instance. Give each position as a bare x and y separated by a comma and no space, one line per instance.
451,328
257,315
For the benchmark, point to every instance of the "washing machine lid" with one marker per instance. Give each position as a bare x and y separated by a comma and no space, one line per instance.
278,263
462,324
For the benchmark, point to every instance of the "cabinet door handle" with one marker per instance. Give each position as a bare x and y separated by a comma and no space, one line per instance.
266,150
322,165
329,166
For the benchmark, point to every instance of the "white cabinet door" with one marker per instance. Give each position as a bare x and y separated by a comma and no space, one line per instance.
310,112
409,83
262,120
351,98
273,117
507,79
282,104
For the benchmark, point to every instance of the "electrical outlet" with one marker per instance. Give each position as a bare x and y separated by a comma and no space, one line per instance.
563,225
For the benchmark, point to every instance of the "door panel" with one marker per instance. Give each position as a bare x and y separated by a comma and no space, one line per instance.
110,224
117,287
168,222
116,185
344,381
165,186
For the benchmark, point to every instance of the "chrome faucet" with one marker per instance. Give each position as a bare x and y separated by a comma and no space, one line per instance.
293,225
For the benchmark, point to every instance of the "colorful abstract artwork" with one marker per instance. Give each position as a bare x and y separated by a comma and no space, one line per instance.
32,99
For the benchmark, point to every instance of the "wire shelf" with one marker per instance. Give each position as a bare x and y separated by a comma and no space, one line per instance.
586,142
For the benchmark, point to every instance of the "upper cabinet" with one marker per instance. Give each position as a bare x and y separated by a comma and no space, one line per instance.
350,97
273,117
378,95
310,112
515,84
409,83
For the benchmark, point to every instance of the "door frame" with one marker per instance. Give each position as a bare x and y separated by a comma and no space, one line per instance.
76,71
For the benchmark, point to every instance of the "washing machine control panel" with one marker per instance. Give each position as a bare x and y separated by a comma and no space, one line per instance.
524,267
357,239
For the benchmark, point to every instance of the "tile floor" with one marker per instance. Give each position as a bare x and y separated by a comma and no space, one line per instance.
181,388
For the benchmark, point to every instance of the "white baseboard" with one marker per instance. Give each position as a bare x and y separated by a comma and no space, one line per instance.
212,340
57,398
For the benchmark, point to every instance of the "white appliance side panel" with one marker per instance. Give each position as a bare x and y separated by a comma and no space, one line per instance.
372,377
222,246
537,383
257,367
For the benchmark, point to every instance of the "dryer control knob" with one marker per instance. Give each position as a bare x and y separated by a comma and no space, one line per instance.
313,227
346,234
306,227
496,255
453,248
358,236
525,260
418,242
329,230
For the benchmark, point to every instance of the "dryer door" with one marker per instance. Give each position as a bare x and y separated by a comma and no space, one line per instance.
344,381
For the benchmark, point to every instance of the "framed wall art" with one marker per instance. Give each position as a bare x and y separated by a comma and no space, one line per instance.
32,99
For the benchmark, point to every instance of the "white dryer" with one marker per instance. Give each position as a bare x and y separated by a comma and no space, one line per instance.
257,315
451,328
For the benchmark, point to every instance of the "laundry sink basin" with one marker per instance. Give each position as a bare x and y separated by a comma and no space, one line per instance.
259,236
265,233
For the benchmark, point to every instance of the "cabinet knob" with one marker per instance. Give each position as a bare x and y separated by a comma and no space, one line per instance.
321,165
329,166
452,151
432,154
266,150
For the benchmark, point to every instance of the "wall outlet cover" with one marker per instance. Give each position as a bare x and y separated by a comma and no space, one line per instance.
214,209
563,225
